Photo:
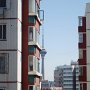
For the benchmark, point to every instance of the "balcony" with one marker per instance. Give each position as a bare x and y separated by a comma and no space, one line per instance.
82,40
82,74
34,11
80,18
33,66
82,24
33,37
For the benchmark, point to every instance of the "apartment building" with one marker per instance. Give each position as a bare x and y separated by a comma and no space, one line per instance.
19,45
49,85
63,76
84,49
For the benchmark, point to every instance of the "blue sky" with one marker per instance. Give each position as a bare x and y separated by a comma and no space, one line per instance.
61,32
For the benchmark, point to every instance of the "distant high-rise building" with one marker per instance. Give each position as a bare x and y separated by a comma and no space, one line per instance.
63,76
84,49
49,85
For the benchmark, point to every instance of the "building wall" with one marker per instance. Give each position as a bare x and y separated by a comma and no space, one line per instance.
13,9
13,35
88,43
12,45
14,70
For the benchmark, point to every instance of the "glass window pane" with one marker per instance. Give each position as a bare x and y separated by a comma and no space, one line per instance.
31,79
2,3
4,31
30,34
32,19
32,49
2,89
81,71
80,37
0,31
80,21
3,63
31,63
30,87
80,54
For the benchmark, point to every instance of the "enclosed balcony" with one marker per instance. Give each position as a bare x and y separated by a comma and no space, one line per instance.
35,12
80,21
33,7
33,66
82,40
81,24
33,37
33,80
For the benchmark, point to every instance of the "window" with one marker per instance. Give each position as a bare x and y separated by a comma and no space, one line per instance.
30,36
3,63
2,3
80,37
80,54
30,87
32,19
81,71
81,86
32,49
31,63
38,66
2,32
36,36
80,20
36,9
31,79
2,89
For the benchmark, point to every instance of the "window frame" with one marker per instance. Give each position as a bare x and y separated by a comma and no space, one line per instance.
80,53
81,70
30,34
35,35
6,63
80,37
30,63
3,32
3,4
33,63
80,21
81,86
29,87
2,88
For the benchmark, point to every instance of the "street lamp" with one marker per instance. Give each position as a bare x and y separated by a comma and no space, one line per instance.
74,76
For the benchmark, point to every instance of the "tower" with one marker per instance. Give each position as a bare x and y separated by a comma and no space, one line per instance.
43,52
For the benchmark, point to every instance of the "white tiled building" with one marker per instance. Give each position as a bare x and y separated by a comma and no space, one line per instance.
10,44
63,77
19,45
